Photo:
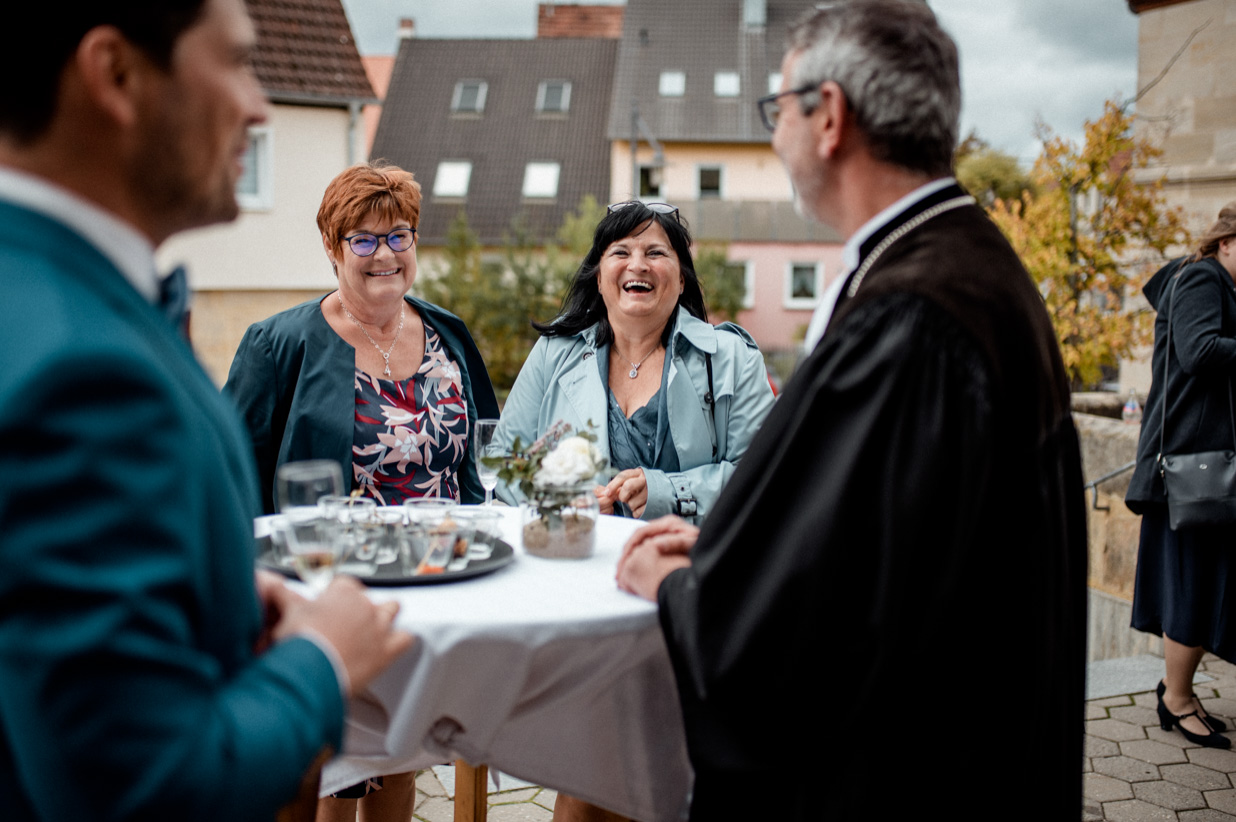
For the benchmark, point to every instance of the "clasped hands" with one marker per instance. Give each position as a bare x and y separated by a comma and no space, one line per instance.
362,632
630,487
652,553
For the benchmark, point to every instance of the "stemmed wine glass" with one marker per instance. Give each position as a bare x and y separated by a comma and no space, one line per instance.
308,539
482,438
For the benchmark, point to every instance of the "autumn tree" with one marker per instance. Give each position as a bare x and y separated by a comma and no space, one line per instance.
1090,234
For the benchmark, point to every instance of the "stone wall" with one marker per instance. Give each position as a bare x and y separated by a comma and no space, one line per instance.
1108,444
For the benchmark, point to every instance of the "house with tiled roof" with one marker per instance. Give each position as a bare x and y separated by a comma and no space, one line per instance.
684,128
271,257
504,130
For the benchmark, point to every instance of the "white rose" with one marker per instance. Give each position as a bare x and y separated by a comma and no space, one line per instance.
573,460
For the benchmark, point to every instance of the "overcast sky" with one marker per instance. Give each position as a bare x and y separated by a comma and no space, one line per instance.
1021,60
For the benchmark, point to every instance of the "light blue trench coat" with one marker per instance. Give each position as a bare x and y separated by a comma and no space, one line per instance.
560,381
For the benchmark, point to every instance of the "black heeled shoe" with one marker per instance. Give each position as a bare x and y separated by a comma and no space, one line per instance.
1214,723
1168,720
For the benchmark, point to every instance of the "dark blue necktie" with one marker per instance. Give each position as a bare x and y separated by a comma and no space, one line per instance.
174,299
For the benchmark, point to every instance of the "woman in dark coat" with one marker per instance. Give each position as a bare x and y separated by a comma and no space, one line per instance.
1186,578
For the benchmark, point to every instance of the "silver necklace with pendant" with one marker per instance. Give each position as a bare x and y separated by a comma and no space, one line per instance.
386,355
634,372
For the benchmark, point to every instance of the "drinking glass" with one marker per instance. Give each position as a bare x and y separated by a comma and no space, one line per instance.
313,546
302,484
482,440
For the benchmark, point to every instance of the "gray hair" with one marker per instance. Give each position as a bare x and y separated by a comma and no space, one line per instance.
898,70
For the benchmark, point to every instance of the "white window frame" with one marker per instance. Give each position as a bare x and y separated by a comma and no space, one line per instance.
536,180
699,192
748,284
541,89
672,84
792,302
446,177
651,197
726,84
261,140
481,94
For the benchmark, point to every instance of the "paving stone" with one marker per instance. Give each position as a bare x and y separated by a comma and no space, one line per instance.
1222,800
1092,811
1135,810
1218,668
1172,737
1123,767
1134,715
435,809
1102,788
1096,711
517,795
1111,701
1216,759
1169,795
546,798
1195,776
1156,753
428,784
1149,699
1086,766
1093,746
1207,815
1115,730
1219,706
521,812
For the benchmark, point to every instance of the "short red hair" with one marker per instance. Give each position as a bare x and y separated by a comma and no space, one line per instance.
379,189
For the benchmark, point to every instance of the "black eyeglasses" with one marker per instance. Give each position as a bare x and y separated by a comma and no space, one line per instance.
657,208
770,109
365,244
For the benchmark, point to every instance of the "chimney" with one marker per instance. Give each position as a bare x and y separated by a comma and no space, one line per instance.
407,28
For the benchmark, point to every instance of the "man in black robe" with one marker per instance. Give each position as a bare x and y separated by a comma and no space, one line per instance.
885,614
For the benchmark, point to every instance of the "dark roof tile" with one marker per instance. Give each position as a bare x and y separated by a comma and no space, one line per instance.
306,52
418,129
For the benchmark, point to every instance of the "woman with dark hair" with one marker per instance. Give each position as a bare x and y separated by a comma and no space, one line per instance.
1186,578
673,400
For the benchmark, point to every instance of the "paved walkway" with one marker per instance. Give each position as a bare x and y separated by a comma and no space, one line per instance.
1135,772
1132,770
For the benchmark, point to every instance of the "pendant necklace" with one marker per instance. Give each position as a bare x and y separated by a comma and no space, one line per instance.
634,372
386,355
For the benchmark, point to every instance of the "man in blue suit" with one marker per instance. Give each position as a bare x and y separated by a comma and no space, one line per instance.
143,674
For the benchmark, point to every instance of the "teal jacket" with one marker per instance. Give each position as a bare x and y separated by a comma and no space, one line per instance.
129,685
561,381
294,381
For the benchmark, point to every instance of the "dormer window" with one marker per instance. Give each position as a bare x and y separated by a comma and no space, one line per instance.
469,97
726,84
672,84
553,96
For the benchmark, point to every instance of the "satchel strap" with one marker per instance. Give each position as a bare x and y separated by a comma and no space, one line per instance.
1167,366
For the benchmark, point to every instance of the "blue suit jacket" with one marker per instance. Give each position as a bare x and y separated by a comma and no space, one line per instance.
128,684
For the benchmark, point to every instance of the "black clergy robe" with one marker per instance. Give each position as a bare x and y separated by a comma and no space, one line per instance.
885,614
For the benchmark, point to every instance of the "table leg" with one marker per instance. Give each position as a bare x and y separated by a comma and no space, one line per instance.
471,792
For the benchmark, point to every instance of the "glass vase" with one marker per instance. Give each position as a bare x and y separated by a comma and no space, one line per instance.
560,522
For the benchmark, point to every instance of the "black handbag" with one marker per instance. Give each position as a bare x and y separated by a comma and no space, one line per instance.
1200,487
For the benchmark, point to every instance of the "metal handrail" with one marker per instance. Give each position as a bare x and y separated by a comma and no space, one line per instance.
1093,485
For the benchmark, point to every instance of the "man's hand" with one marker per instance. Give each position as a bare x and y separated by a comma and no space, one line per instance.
629,487
361,632
652,553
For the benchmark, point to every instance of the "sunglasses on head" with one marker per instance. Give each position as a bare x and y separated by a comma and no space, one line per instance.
656,208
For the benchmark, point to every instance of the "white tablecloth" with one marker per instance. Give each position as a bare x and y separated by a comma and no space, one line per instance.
543,670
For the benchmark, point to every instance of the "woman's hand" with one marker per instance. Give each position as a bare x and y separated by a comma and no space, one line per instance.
629,487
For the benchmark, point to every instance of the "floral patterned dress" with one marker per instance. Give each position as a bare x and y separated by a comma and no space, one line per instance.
411,436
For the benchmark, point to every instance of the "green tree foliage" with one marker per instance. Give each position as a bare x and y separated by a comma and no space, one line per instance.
987,173
1089,235
723,282
499,299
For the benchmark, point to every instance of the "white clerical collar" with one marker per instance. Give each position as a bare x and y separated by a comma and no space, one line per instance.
849,258
849,253
117,240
